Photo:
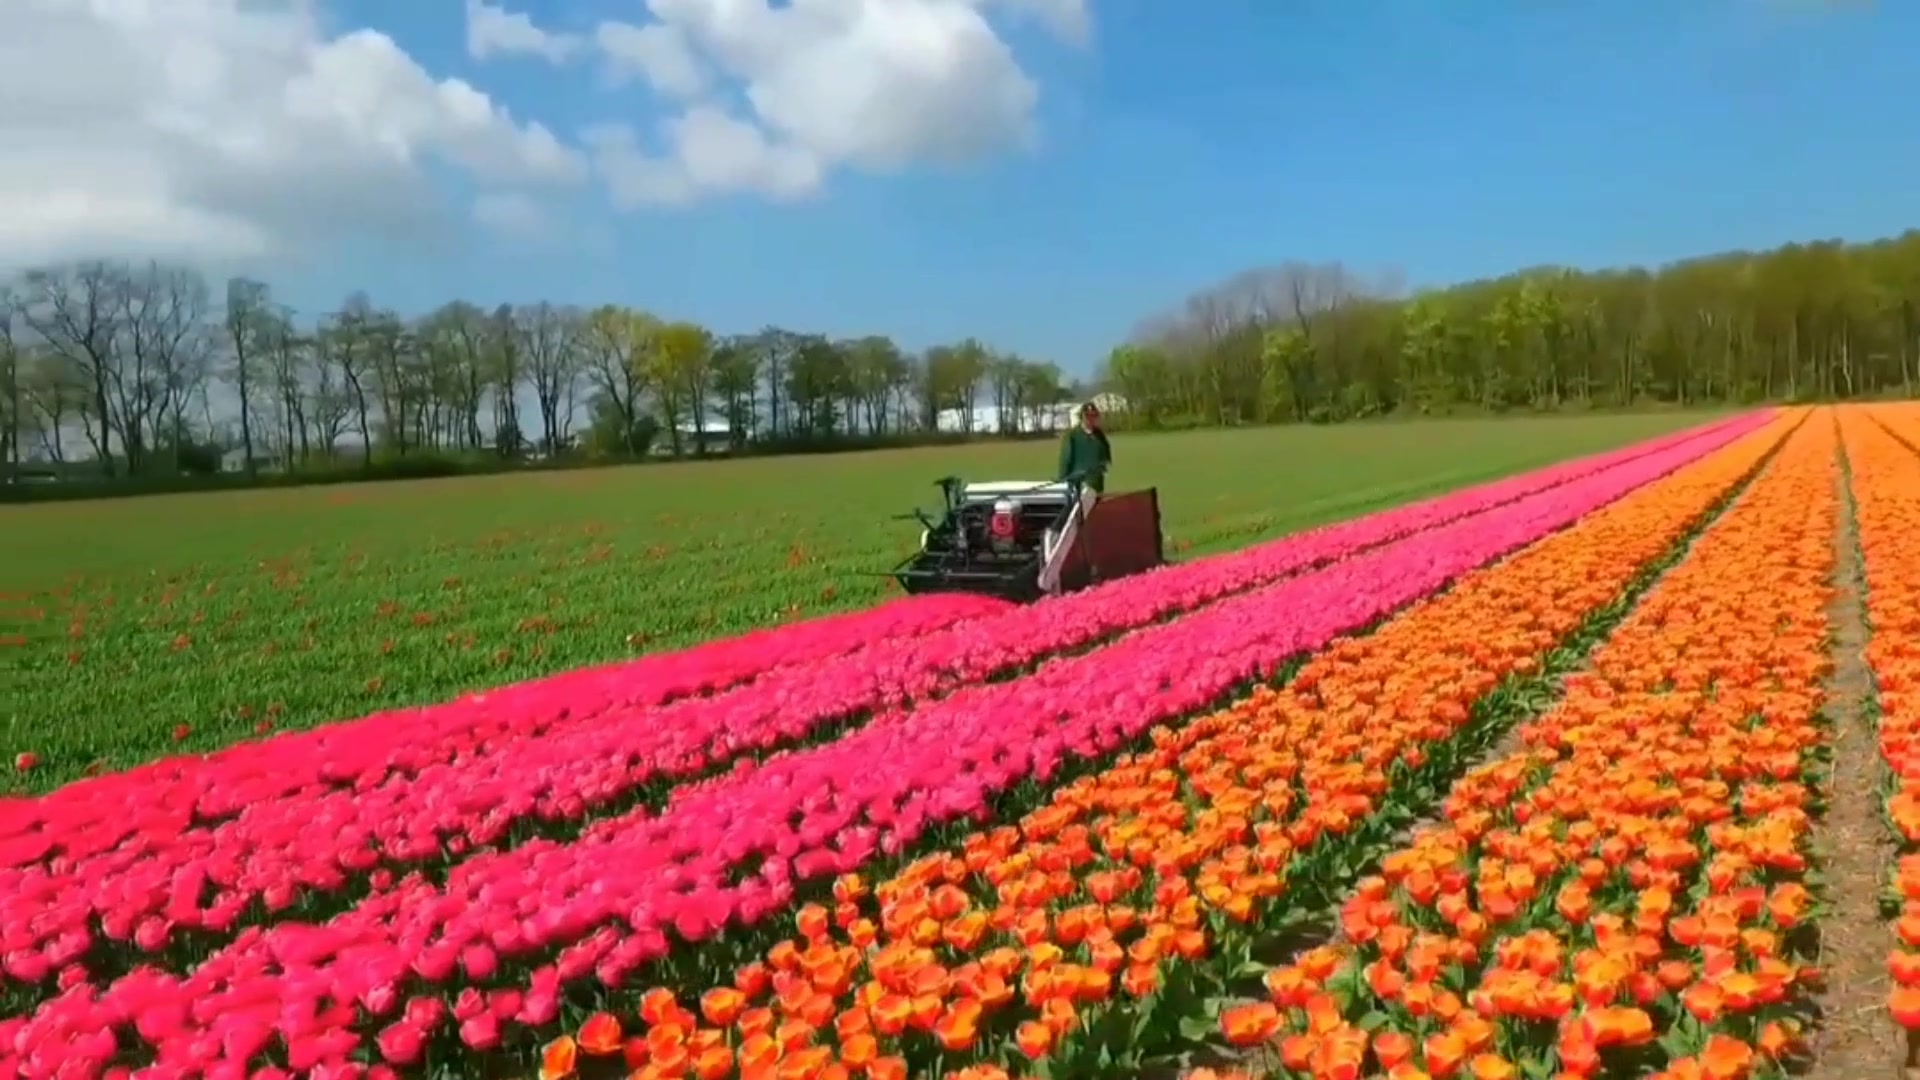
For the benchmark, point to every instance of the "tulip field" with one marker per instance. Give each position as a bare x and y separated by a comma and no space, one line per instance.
1541,778
136,629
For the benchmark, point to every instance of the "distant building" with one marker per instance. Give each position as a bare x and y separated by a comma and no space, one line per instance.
985,418
235,461
713,437
1055,417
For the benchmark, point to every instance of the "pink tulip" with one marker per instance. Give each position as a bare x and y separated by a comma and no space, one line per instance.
504,1004
426,1013
480,1032
539,1009
380,998
479,962
401,1043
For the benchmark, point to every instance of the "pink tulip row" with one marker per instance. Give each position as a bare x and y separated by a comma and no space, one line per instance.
165,879
224,783
159,800
208,788
731,851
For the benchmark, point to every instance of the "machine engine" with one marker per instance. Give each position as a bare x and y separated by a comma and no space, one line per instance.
1027,539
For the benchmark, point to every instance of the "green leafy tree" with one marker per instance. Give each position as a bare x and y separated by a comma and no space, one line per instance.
680,355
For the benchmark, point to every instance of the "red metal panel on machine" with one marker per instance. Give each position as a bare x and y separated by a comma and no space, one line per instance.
1121,537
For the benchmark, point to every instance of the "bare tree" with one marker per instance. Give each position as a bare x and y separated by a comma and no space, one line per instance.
331,409
548,337
776,348
733,378
163,315
72,310
466,327
390,349
505,366
248,305
1216,340
287,355
14,421
55,390
443,360
907,391
570,396
343,343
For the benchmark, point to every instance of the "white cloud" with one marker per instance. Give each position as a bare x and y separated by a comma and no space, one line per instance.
1067,19
657,53
710,152
222,129
513,212
230,128
492,31
878,85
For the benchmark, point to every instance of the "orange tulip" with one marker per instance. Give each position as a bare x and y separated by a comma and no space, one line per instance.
892,1013
722,1005
713,1063
1250,1025
1492,1067
601,1035
656,1005
1392,1048
1033,1039
559,1059
669,1059
758,1050
1904,1003
958,1026
1777,1040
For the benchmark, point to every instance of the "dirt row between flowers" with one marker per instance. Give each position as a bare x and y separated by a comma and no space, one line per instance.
512,1008
1854,1036
1874,1014
1630,893
144,904
1099,934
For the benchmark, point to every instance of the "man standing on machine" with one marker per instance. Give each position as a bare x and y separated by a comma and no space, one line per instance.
1085,456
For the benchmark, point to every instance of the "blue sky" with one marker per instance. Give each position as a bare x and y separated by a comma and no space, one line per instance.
1184,142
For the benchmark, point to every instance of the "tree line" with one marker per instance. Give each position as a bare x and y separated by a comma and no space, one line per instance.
1319,343
136,370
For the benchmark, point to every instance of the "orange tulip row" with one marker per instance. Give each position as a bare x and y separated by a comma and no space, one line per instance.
1095,932
1625,893
1886,486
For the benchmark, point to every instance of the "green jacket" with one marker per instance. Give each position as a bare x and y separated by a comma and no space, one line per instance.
1085,456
